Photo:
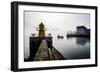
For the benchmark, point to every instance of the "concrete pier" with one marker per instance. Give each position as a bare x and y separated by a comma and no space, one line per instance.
45,53
43,50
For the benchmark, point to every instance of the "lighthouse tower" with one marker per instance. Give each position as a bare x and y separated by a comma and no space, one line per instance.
41,30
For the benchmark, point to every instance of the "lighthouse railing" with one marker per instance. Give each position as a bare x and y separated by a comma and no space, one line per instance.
37,35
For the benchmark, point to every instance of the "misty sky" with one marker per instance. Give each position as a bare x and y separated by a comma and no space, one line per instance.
56,23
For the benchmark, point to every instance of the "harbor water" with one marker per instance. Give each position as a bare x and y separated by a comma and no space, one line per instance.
70,48
73,47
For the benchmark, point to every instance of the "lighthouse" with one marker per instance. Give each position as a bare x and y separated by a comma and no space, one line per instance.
41,30
41,47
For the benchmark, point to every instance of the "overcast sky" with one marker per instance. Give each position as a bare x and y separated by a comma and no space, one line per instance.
56,23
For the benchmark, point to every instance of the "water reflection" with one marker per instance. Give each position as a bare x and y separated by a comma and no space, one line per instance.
73,48
82,40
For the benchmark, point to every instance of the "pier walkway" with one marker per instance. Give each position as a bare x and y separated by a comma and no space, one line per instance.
45,53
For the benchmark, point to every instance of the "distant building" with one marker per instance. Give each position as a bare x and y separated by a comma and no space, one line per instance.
82,30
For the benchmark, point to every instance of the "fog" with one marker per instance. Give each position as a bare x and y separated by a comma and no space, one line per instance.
56,23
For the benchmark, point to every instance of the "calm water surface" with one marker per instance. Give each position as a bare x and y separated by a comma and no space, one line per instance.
73,48
70,48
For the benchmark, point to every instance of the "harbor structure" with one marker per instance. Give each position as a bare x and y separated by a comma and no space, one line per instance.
81,31
41,47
